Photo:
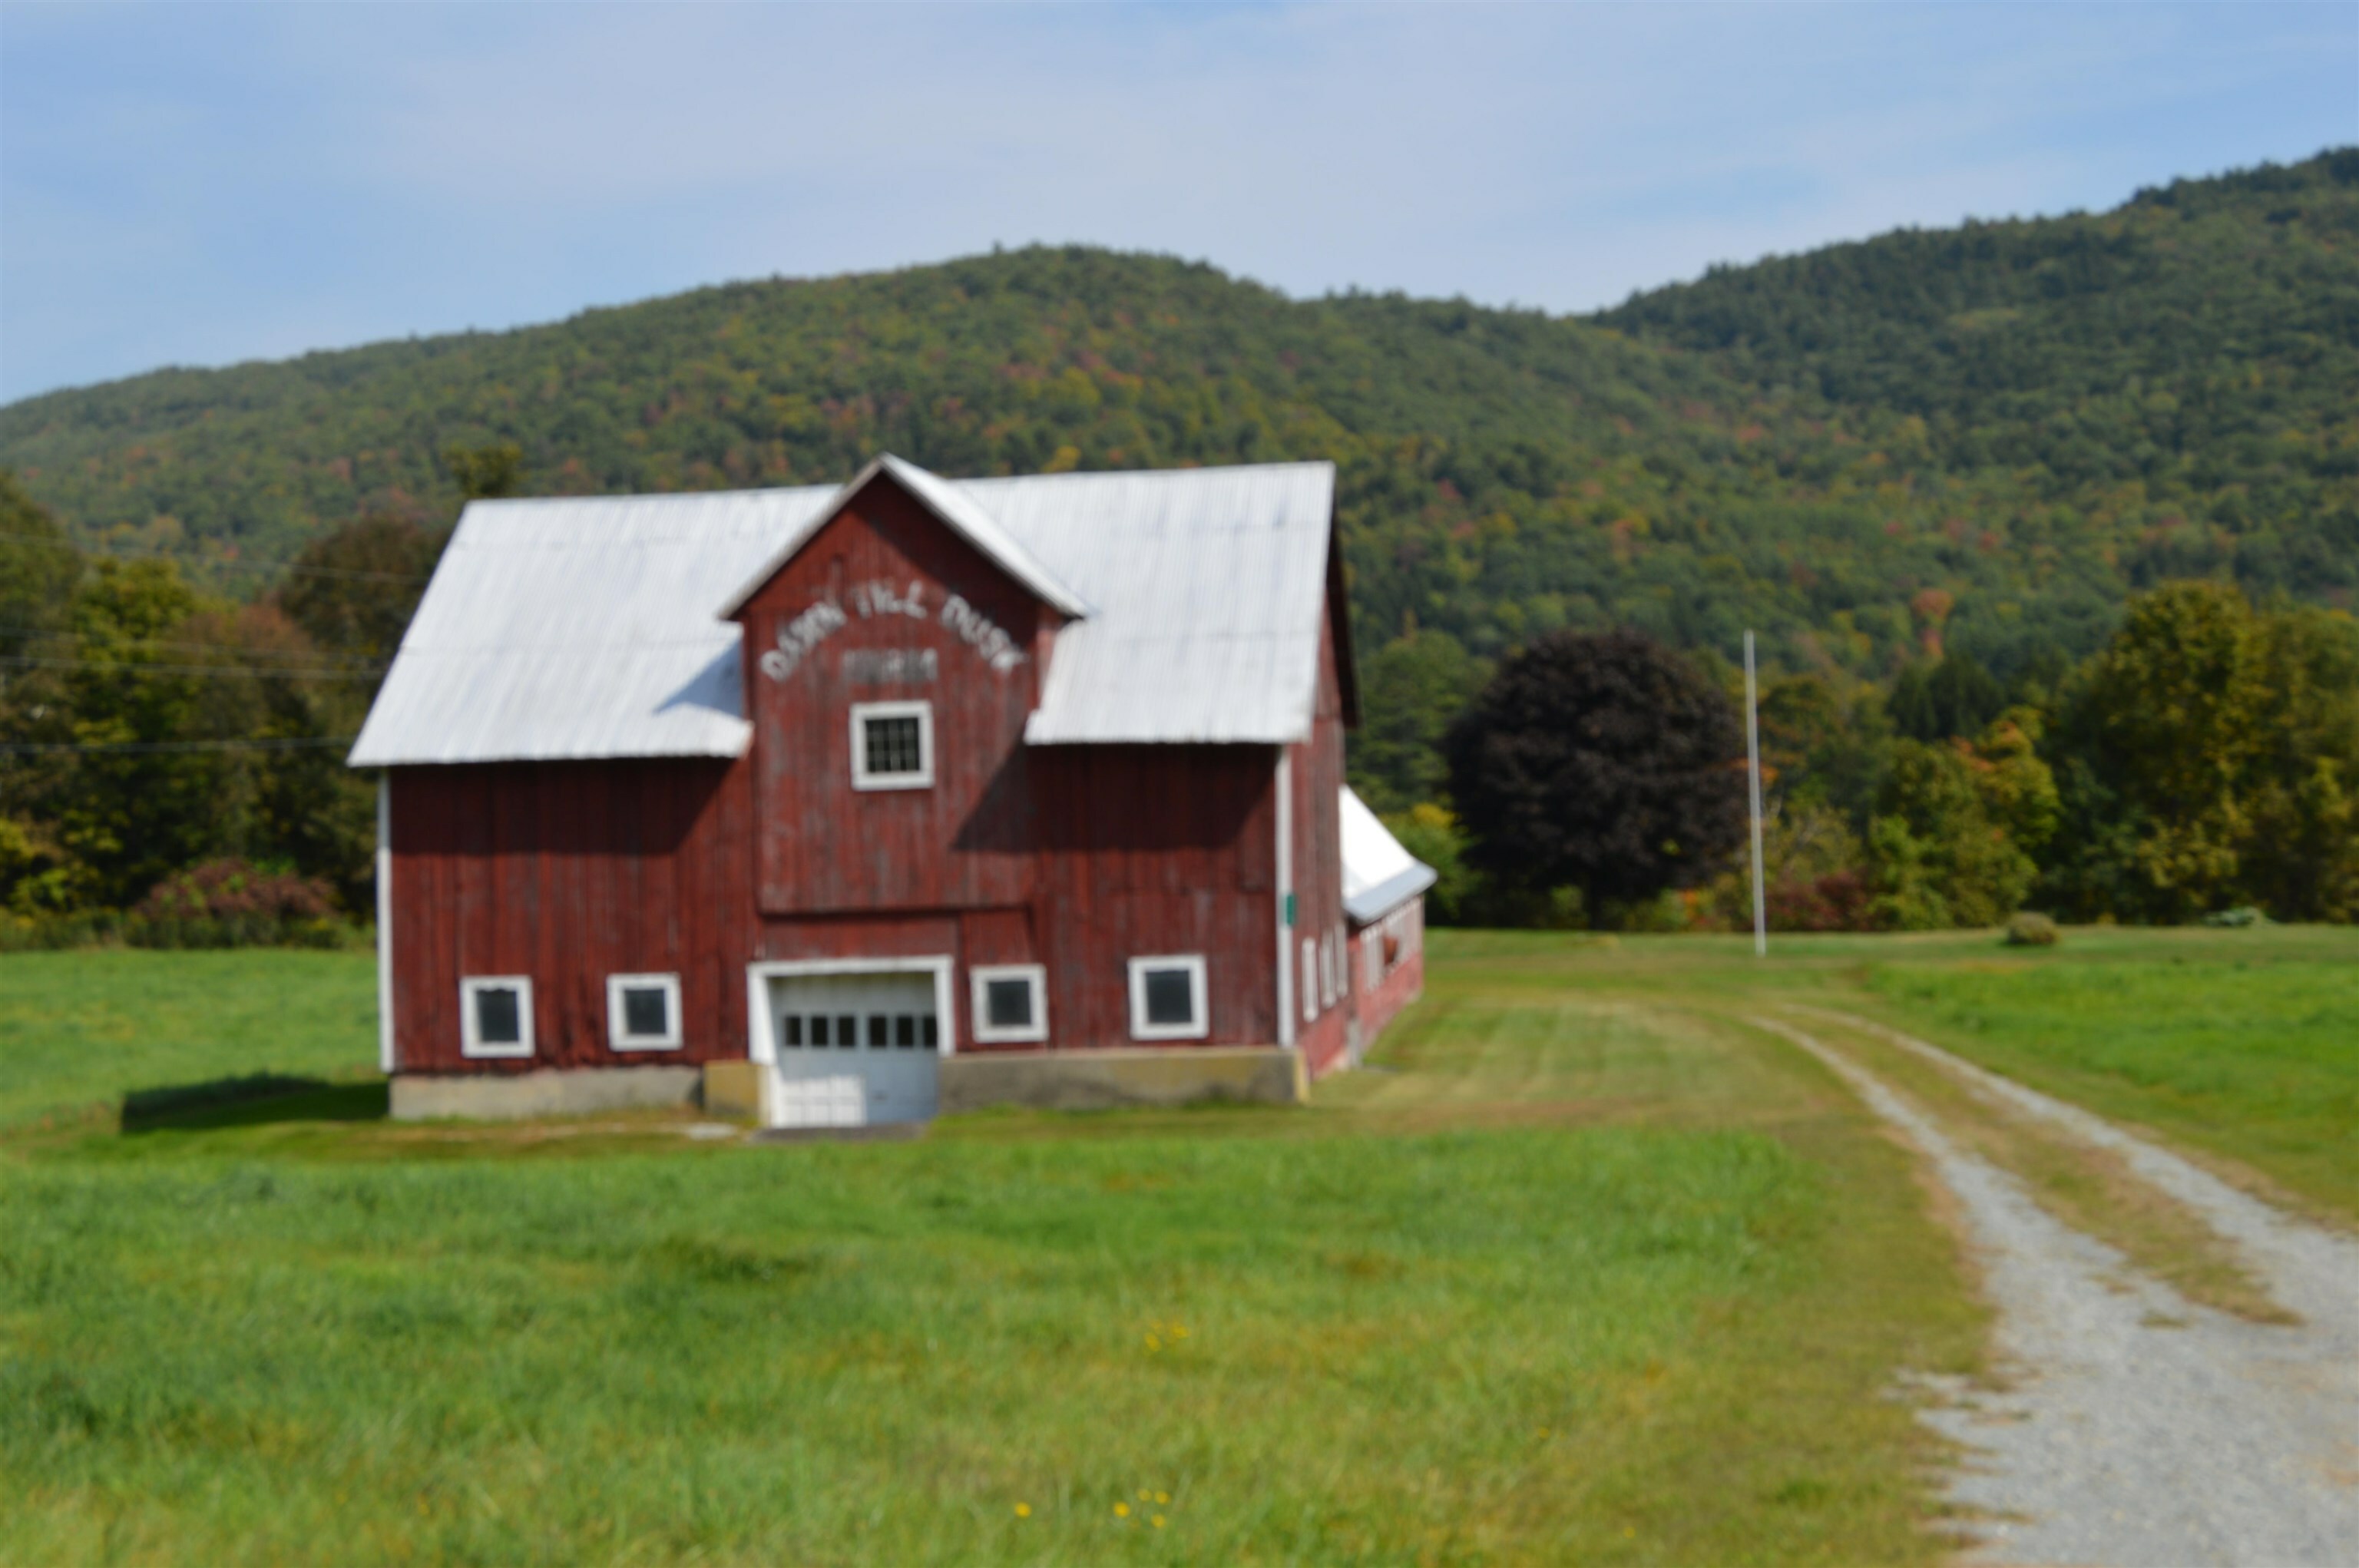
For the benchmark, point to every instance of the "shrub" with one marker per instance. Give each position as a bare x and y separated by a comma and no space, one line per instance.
1839,902
229,903
2028,930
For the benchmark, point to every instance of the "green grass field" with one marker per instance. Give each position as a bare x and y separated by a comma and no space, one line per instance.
1587,1272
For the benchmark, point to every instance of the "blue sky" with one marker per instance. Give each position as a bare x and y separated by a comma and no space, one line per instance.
200,184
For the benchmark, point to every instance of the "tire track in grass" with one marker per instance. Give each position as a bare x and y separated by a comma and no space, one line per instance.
2140,1428
2086,1188
2312,1268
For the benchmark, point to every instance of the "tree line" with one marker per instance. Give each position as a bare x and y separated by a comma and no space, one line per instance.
2204,762
172,760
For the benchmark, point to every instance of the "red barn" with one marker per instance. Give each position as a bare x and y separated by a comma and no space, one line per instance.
840,805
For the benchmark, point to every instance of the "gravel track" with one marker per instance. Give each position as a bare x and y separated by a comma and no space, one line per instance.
2138,1428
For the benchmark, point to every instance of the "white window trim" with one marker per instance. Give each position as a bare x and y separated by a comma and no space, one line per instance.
979,979
468,1045
923,712
1193,962
1309,979
617,1038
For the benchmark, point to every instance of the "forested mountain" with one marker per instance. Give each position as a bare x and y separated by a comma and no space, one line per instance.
1988,434
1885,456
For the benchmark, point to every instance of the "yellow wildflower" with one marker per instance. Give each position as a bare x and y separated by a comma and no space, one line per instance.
1023,1510
1159,1521
1122,1510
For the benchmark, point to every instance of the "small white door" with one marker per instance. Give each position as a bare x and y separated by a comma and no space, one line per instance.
853,1049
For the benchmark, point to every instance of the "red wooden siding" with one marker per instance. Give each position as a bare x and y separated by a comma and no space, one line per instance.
1399,940
1148,849
1318,775
822,846
568,872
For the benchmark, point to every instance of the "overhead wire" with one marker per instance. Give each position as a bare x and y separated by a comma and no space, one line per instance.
110,666
16,749
253,566
317,657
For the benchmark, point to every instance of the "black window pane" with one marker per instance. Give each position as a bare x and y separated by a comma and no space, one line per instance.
932,1037
1170,997
498,1021
819,1028
1007,1004
646,1011
847,1029
794,1029
880,1030
905,1030
893,745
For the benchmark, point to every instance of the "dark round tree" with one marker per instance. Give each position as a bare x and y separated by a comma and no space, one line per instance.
1600,761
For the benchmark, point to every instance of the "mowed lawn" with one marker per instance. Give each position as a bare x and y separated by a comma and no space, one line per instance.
1587,1270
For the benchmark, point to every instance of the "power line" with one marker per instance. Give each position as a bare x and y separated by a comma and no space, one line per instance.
328,659
218,565
106,667
23,748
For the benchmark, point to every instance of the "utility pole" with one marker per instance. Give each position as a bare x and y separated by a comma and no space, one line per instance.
1752,769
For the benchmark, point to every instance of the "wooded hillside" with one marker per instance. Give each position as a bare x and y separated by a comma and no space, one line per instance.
1986,435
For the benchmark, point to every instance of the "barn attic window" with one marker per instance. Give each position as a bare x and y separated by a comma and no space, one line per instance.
495,1014
1010,1001
892,745
642,1012
1166,997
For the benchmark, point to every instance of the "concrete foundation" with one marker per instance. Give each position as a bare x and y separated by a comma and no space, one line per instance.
555,1091
1101,1079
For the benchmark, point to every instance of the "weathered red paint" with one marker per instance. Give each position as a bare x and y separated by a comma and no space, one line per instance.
1077,858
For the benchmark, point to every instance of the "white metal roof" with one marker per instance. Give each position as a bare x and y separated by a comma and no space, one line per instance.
1379,873
594,627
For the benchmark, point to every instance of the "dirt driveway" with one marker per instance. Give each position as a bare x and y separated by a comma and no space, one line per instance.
2135,1427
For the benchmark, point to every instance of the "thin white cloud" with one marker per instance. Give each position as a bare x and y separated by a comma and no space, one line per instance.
374,170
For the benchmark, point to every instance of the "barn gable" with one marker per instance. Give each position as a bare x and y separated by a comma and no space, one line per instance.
887,610
950,507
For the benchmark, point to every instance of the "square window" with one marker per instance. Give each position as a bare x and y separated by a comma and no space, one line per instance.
1010,1002
1166,997
495,1016
1170,997
892,745
642,1012
1007,1004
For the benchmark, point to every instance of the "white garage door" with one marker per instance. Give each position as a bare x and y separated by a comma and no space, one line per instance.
853,1049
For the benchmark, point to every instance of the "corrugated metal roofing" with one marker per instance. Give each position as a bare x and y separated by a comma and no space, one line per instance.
587,628
1378,873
